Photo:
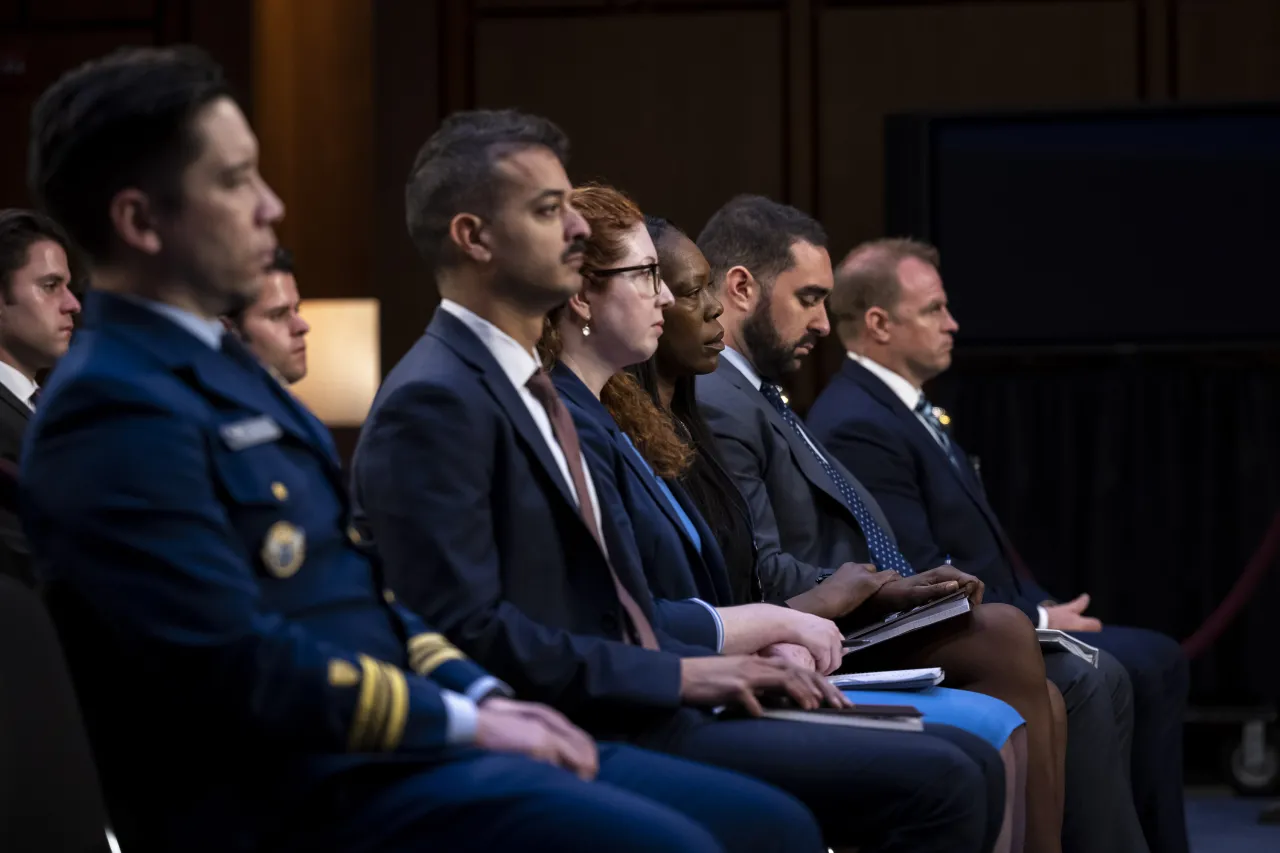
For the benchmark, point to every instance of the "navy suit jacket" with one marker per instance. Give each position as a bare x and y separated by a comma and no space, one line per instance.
230,640
673,563
937,509
480,533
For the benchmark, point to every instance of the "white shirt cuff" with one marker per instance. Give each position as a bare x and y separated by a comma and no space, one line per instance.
485,684
461,711
715,614
1044,617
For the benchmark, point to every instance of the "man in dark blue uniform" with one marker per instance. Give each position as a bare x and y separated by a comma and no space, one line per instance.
248,682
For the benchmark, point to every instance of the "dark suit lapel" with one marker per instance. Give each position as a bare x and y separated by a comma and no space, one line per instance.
800,451
574,391
455,334
651,486
920,434
11,400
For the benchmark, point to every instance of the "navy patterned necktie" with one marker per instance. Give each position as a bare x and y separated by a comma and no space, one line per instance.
883,552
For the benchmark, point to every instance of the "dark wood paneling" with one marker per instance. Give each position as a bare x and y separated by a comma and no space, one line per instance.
54,36
225,29
878,60
37,59
90,11
681,112
563,8
1228,49
313,108
407,107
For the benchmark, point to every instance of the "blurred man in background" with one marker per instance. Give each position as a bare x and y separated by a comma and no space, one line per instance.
271,327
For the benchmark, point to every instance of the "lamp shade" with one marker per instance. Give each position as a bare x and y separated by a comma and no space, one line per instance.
344,361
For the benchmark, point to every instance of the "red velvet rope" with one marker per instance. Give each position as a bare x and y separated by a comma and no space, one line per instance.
1212,627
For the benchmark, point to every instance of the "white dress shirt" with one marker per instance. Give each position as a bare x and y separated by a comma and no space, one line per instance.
18,384
910,396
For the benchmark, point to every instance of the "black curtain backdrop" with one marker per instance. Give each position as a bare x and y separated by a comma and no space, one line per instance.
1146,480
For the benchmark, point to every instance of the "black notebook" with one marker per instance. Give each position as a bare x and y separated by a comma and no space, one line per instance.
899,718
906,621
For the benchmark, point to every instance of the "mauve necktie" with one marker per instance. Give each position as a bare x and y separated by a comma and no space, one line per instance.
562,425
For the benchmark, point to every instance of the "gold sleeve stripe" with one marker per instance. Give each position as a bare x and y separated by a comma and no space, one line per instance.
427,642
435,659
362,717
424,649
382,708
398,712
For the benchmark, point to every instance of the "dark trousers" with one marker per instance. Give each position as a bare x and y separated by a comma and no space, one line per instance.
641,801
1158,673
1099,815
940,790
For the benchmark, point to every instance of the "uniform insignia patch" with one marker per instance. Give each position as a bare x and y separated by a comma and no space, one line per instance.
284,549
250,432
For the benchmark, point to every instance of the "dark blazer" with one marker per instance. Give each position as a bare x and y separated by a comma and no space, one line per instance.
481,534
189,522
674,565
802,526
16,559
937,509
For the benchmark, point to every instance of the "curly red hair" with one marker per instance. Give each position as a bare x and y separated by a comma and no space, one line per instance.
610,213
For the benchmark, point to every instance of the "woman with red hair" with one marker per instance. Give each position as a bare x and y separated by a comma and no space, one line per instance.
617,321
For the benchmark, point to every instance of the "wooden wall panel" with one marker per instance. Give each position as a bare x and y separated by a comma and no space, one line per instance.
562,8
42,39
1228,50
313,111
877,60
91,11
407,95
38,59
224,29
682,111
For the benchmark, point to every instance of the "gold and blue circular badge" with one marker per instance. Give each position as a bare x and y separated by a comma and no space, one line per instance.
284,549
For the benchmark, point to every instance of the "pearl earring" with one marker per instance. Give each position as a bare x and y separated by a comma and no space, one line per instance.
586,330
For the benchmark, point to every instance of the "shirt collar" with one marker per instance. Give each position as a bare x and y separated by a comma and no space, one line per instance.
745,367
17,382
908,393
208,332
518,363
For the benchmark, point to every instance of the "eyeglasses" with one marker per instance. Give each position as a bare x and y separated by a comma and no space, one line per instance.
651,271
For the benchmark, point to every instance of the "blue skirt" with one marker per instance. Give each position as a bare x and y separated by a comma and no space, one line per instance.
988,718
